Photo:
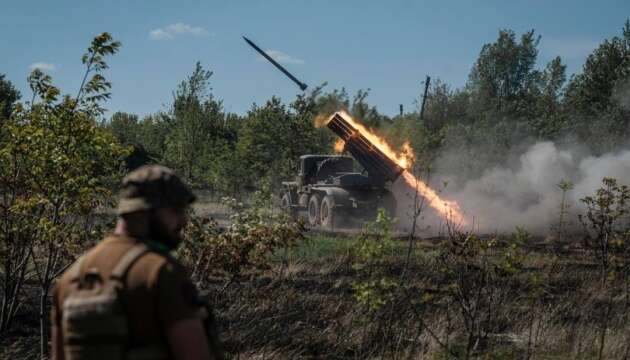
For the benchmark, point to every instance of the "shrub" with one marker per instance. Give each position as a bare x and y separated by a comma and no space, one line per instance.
254,234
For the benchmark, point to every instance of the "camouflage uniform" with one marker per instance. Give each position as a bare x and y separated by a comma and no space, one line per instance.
154,288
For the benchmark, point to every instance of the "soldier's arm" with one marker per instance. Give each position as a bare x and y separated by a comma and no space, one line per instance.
187,340
56,339
179,314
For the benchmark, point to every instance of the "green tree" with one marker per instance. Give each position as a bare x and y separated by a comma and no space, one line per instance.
153,132
505,103
197,122
265,142
128,131
363,111
505,69
591,91
125,127
328,103
273,137
57,165
8,96
592,97
550,120
306,109
226,173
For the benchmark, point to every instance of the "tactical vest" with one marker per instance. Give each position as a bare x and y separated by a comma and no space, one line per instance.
94,321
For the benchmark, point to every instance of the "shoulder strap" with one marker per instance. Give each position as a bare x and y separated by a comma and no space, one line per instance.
125,262
78,269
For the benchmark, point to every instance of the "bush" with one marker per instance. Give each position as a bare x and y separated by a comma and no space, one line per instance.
254,234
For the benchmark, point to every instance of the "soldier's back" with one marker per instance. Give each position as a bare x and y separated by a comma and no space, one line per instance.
156,291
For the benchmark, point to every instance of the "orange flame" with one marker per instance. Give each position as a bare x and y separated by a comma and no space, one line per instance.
447,208
339,146
405,158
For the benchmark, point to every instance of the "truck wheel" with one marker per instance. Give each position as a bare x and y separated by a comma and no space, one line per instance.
285,205
313,210
327,213
303,201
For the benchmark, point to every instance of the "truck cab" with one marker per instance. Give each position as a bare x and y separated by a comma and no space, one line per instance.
332,190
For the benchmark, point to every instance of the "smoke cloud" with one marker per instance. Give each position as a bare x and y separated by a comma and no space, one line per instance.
526,192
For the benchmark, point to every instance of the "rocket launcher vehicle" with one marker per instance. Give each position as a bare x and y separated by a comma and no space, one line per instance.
379,167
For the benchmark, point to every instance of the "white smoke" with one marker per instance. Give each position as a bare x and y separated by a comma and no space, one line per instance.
526,193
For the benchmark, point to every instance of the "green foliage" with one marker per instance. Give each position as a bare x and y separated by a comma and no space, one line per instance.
8,96
255,233
95,90
592,97
504,71
197,125
56,162
128,130
607,238
262,148
57,167
152,134
373,249
125,127
506,103
272,138
606,223
320,246
476,277
591,91
368,114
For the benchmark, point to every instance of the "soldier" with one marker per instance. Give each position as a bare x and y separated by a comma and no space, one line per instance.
127,298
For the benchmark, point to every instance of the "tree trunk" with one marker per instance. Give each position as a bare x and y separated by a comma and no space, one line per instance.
3,310
6,298
602,336
14,279
13,306
43,333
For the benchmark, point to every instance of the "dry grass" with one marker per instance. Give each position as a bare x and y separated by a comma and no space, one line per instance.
306,309
303,307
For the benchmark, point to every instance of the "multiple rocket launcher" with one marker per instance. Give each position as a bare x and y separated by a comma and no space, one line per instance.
380,167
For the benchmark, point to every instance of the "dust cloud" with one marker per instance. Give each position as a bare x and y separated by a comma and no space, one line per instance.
523,193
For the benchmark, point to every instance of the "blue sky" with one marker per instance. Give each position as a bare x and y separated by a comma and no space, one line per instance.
388,46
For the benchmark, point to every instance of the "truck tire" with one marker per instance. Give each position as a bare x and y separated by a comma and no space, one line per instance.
303,201
313,210
327,213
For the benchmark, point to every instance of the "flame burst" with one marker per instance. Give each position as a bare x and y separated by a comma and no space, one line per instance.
405,158
339,145
447,208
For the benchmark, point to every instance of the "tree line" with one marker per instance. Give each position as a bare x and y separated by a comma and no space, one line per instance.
510,100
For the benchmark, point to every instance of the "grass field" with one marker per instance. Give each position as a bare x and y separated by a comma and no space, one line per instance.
306,305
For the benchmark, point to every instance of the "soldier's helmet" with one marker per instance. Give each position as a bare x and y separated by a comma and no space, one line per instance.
151,187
